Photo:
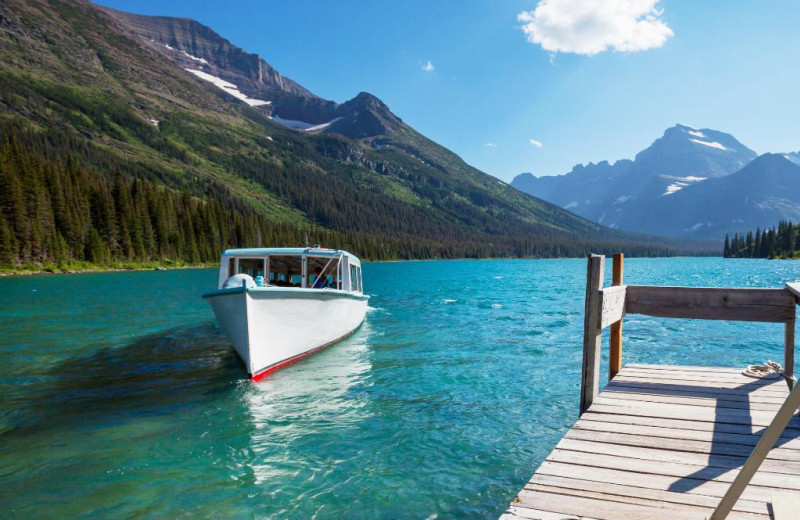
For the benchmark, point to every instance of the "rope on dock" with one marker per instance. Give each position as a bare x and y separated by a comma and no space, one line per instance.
769,370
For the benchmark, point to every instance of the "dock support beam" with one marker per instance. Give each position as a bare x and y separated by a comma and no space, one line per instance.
615,353
595,271
788,351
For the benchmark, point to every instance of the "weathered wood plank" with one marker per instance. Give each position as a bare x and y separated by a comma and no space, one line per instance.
665,388
744,435
778,387
692,413
677,390
681,424
595,444
714,446
788,350
619,399
604,510
615,341
637,499
670,368
774,385
516,512
590,374
612,305
785,507
710,378
711,303
746,506
719,401
671,469
649,481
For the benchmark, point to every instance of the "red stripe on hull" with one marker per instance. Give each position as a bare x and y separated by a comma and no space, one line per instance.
261,375
264,373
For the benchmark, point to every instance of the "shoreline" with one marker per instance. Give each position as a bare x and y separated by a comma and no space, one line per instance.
88,270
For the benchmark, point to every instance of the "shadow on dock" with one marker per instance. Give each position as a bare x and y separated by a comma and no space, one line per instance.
154,375
726,427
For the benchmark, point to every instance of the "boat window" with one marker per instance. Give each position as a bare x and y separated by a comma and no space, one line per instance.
286,270
322,271
360,286
353,279
231,267
252,266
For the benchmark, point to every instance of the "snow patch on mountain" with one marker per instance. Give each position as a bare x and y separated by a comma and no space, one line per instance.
695,133
680,183
228,87
571,205
323,125
302,125
712,144
195,58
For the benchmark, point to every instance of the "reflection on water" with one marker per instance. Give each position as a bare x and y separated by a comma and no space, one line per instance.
315,394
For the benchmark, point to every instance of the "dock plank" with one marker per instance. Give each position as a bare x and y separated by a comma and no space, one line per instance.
664,442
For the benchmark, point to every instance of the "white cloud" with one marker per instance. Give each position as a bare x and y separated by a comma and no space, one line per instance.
593,26
534,142
490,145
428,66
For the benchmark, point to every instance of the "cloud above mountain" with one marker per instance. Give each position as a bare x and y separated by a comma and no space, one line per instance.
428,67
534,142
590,27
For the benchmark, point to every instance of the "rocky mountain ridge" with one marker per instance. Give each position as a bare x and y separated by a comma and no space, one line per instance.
668,188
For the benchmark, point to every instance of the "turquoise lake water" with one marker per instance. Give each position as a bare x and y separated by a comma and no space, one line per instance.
121,398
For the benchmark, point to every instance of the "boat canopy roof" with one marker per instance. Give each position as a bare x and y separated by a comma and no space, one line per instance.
312,251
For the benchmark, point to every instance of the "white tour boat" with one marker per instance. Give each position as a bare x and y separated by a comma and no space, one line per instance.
279,305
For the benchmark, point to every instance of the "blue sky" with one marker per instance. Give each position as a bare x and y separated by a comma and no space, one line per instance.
730,65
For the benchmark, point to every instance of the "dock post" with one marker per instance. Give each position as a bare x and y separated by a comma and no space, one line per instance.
590,375
615,353
788,351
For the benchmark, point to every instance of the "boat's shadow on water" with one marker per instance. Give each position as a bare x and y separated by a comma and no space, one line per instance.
154,375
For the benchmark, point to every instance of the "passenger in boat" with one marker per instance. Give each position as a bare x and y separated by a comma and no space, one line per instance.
321,282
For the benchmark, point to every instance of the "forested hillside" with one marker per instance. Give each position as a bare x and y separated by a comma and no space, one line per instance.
114,155
776,242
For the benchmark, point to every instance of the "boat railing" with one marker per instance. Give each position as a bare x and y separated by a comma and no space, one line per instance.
607,306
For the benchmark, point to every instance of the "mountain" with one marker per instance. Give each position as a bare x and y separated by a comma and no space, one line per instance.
198,49
763,192
627,194
101,111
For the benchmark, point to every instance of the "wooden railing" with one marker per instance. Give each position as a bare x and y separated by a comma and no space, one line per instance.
608,306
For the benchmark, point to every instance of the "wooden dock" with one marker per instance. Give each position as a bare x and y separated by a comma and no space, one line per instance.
674,442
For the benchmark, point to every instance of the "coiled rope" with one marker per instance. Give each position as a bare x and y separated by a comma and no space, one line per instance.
769,370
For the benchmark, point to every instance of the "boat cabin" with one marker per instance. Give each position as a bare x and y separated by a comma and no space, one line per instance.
307,268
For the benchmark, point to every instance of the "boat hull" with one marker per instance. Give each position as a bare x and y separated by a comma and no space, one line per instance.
271,327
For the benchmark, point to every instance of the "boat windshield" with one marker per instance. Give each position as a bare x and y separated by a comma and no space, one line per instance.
319,272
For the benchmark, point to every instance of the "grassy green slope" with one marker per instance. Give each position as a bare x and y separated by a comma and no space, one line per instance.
73,74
